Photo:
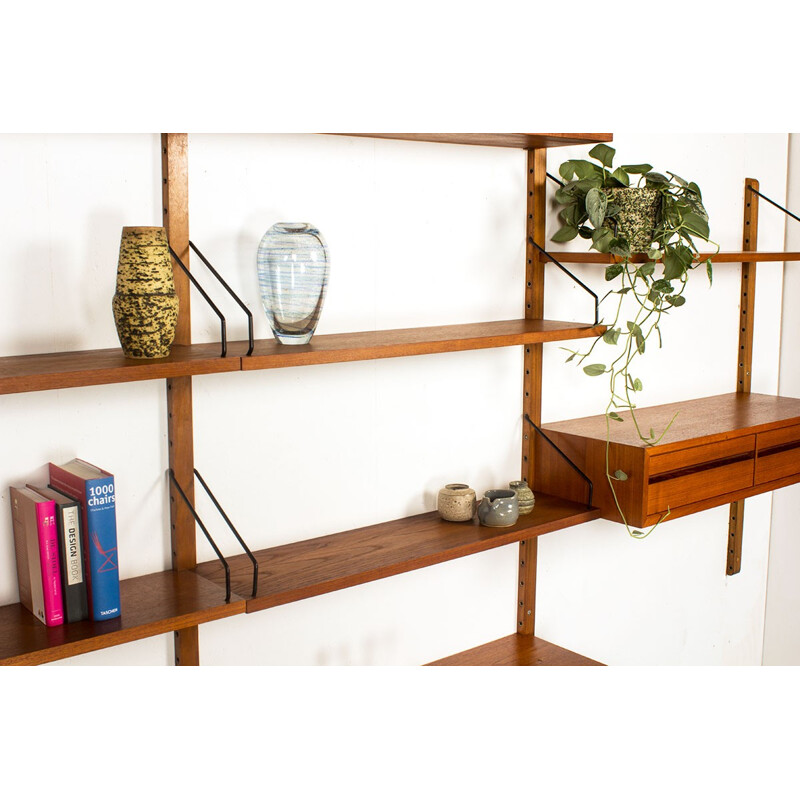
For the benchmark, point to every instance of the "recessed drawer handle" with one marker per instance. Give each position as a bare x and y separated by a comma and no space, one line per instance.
703,467
778,448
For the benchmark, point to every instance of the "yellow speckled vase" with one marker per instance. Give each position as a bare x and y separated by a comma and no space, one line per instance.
145,304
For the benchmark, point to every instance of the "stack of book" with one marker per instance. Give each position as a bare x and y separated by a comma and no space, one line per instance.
65,538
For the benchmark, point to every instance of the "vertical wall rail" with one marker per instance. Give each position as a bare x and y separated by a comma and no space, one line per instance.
744,366
175,181
532,379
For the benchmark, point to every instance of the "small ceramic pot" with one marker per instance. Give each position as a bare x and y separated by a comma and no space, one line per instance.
456,502
499,508
525,496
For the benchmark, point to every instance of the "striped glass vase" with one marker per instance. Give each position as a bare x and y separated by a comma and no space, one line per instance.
293,269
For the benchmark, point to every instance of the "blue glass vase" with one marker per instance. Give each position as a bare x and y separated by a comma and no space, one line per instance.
293,269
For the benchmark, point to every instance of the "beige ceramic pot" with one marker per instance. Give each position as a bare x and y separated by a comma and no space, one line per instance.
456,502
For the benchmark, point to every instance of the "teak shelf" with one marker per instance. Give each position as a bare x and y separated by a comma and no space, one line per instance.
326,564
516,651
94,367
151,605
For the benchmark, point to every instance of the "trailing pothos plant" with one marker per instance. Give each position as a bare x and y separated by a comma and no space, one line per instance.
648,222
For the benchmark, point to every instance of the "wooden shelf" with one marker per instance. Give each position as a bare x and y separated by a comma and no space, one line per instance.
519,140
325,564
718,450
151,605
729,257
367,345
94,367
516,651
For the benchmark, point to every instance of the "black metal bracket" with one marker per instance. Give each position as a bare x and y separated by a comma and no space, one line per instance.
564,456
209,537
553,178
233,294
222,322
764,197
577,280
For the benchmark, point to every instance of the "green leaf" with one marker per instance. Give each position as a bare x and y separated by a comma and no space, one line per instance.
585,232
612,336
637,169
620,475
564,195
676,301
709,272
603,153
587,171
565,234
673,265
567,170
601,239
596,202
677,178
623,291
634,328
637,385
696,224
646,270
569,214
693,187
655,179
613,270
622,176
570,358
619,247
616,417
663,286
652,434
595,369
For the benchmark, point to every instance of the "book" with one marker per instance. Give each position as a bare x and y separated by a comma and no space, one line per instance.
70,553
94,489
36,547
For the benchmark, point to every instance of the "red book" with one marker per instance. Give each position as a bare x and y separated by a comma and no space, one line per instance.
36,546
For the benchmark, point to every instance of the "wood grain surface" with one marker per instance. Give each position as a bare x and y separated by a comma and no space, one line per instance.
308,568
518,140
151,605
517,650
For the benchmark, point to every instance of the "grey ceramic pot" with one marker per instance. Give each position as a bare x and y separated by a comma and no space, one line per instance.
499,508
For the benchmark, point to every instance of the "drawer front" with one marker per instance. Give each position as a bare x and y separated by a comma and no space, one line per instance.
705,456
778,454
700,473
697,486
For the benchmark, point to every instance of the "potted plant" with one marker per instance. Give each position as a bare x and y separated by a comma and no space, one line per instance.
648,222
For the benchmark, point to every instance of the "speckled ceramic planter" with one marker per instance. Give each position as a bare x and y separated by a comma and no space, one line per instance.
525,497
456,502
145,305
639,209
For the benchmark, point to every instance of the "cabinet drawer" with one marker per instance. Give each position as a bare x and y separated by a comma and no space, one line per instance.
778,454
700,473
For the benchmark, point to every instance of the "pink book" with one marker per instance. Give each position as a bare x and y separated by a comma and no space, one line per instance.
48,557
38,562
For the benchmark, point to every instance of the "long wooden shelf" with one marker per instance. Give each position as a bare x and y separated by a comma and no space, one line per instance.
517,140
94,367
729,257
151,605
326,564
369,345
516,650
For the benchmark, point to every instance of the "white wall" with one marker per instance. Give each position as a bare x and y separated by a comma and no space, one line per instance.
419,234
782,633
